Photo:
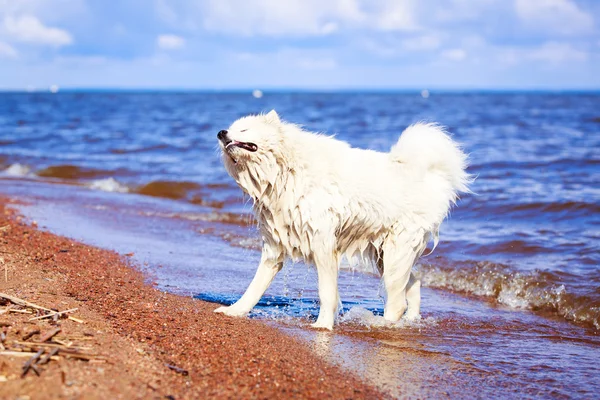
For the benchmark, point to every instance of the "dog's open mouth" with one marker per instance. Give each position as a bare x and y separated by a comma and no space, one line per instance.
243,145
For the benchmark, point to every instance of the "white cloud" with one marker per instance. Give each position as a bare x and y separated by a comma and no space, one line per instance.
461,10
28,28
422,43
395,15
270,17
7,51
556,53
554,16
454,54
170,42
81,61
51,10
289,59
291,18
551,53
392,46
315,64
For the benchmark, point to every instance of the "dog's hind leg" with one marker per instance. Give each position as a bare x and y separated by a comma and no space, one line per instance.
413,297
270,264
400,252
327,270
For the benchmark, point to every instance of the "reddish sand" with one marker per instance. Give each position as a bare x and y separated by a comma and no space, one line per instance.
139,329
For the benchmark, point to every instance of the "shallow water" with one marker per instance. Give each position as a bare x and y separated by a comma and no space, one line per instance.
512,296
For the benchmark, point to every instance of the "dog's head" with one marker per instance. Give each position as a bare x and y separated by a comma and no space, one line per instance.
250,139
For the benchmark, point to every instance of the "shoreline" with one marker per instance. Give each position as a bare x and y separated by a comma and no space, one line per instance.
138,329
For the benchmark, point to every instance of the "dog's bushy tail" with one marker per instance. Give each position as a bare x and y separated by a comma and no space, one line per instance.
427,147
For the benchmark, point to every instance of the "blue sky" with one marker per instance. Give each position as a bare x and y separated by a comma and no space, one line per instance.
306,44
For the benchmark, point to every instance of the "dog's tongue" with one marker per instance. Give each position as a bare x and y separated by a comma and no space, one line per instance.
244,145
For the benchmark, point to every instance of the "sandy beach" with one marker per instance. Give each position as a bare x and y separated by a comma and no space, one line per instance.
146,343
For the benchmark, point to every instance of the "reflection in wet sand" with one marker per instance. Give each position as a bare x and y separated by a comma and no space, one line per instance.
404,368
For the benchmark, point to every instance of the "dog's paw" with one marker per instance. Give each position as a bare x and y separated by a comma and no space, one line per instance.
322,325
412,316
231,311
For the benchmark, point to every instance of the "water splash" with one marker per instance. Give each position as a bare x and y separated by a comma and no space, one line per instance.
532,290
367,318
17,170
108,185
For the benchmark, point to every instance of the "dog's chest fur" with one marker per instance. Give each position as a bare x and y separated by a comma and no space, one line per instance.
302,217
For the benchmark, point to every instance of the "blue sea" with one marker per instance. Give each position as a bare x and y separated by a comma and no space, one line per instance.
511,298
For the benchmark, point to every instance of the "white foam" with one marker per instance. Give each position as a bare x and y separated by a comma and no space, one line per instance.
513,293
364,317
17,170
521,290
108,185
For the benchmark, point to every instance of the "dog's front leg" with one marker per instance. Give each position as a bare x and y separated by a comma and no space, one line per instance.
327,270
270,264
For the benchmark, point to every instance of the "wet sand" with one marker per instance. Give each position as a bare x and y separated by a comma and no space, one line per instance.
139,329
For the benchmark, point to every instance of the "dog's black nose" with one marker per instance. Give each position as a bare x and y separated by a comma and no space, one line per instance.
221,135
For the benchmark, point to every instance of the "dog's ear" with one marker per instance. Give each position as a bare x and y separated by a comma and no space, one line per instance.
272,117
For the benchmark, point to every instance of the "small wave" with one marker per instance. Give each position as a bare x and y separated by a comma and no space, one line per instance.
537,290
139,149
513,247
100,179
190,192
17,170
222,217
108,185
537,209
252,243
73,172
169,189
557,207
532,165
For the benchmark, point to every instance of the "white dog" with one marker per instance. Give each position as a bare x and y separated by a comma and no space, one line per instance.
318,199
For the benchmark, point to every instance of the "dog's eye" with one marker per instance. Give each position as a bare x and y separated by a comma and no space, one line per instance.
243,130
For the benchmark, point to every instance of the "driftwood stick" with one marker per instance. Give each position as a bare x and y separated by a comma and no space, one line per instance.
10,353
177,369
62,342
22,302
68,352
20,311
6,309
48,356
53,314
35,369
29,363
79,321
30,334
35,345
80,356
49,335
